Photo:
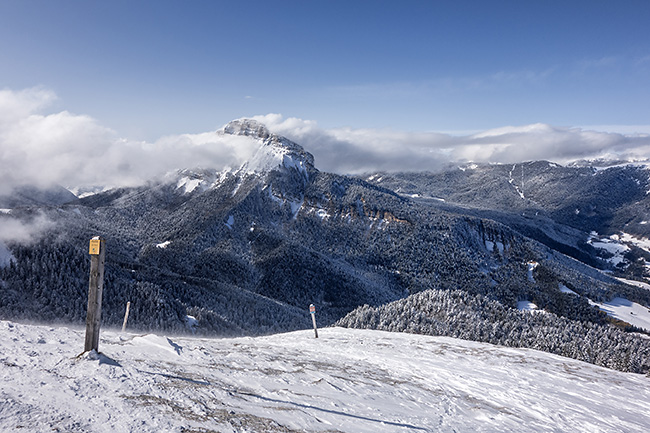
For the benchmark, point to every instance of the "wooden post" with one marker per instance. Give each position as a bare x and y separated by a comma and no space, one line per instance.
312,311
95,288
126,315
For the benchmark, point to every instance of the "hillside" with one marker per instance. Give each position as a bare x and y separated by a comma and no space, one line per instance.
458,314
245,251
568,208
345,381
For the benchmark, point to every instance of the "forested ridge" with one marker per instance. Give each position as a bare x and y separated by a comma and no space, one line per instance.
459,314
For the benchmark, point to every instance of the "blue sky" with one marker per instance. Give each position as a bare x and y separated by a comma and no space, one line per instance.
139,70
151,68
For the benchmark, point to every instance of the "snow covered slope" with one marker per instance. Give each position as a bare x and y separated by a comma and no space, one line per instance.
345,381
627,311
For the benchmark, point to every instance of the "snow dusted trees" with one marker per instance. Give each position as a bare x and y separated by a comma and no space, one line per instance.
459,314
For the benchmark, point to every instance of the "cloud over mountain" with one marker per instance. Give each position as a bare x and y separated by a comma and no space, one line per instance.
346,150
41,148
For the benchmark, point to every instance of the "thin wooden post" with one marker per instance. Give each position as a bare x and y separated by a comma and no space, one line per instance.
312,311
97,253
126,315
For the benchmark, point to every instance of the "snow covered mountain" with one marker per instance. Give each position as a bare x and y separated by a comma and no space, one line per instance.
246,251
576,209
275,151
345,381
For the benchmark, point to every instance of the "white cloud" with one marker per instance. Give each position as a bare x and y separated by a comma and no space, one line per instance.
208,150
42,149
18,105
45,149
348,150
75,150
13,230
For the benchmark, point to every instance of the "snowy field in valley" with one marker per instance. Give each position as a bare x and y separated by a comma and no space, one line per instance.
345,381
627,311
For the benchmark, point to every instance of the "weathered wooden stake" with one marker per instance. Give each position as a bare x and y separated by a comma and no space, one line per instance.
97,253
312,310
126,315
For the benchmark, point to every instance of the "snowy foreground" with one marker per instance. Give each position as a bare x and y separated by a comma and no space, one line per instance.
346,380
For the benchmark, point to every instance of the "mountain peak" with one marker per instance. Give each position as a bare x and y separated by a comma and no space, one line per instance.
275,152
247,127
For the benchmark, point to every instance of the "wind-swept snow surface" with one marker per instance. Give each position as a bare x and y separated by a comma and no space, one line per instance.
347,380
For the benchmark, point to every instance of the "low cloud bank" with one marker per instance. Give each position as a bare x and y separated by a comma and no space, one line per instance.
357,151
40,148
23,231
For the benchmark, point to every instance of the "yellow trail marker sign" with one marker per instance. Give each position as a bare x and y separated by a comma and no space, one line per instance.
95,245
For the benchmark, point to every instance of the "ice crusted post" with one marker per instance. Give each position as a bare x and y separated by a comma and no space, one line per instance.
126,315
97,253
312,311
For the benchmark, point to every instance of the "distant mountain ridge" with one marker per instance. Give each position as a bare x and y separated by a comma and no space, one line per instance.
27,195
560,206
